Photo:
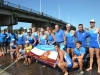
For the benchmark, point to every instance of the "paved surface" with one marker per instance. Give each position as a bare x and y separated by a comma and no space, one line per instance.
19,68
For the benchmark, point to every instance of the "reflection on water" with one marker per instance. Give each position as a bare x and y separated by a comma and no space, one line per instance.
19,68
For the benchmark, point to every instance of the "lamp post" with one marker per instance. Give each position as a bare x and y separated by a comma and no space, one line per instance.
73,20
40,6
68,17
59,11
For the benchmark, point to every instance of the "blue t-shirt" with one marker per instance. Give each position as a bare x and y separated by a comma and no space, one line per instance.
70,37
43,40
8,37
50,38
80,51
82,36
35,34
1,37
5,37
59,35
12,36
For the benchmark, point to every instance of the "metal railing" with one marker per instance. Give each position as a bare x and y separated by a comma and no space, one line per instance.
17,6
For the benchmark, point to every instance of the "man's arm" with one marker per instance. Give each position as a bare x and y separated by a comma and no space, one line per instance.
80,57
61,57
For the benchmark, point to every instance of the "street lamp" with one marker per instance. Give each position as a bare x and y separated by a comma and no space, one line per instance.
73,20
68,17
40,5
59,11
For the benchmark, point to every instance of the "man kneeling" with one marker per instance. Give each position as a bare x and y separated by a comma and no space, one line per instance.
79,56
64,61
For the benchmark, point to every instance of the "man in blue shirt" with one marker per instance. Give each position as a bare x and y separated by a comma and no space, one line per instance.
82,35
80,53
1,43
59,35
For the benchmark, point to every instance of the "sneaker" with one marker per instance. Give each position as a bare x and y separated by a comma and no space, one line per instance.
80,72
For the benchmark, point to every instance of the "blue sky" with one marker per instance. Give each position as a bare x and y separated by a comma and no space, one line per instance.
82,11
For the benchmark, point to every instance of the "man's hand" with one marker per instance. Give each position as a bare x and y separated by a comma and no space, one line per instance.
65,43
54,66
74,58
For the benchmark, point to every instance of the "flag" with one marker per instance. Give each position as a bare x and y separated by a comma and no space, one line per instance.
45,54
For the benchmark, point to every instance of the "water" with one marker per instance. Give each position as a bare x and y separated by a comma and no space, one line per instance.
19,68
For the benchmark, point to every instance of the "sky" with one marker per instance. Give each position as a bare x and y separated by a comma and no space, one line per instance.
80,11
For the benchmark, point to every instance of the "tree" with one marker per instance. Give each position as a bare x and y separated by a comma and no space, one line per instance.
21,29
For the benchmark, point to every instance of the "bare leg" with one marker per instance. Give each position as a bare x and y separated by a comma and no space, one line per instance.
12,57
29,60
75,65
98,58
72,52
17,52
91,51
80,63
68,50
63,66
0,52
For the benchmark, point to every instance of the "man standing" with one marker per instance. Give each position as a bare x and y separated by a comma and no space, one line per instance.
82,35
94,44
59,35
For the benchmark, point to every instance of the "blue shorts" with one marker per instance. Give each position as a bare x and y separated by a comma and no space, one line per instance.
1,44
70,45
69,65
94,44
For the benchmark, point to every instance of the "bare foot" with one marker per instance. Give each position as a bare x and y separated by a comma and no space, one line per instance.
3,53
43,66
98,70
24,62
88,69
36,61
66,73
0,54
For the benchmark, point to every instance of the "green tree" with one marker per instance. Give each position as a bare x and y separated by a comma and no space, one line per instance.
21,29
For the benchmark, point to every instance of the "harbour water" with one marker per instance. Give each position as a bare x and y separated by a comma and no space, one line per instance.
35,68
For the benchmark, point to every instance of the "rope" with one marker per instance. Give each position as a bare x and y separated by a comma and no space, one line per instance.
8,66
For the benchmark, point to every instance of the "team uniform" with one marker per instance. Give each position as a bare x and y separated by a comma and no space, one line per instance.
31,40
82,36
8,39
20,39
12,36
80,51
1,40
22,52
59,36
67,59
43,40
70,39
24,38
13,47
94,38
35,34
50,39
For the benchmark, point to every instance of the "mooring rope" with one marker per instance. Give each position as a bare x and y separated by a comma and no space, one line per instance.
8,66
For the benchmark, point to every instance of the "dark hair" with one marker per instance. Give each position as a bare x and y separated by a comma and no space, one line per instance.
57,45
48,26
11,31
80,25
79,42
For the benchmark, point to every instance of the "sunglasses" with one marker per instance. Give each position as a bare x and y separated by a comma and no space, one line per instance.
92,22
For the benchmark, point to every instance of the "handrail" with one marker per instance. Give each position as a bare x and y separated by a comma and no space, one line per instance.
17,6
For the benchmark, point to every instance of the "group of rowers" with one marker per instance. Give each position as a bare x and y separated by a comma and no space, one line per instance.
21,43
